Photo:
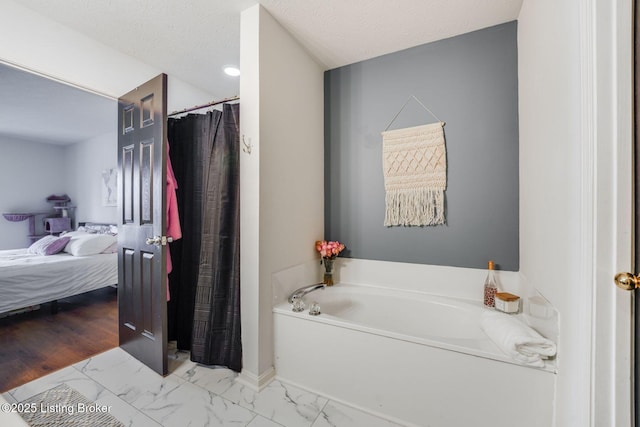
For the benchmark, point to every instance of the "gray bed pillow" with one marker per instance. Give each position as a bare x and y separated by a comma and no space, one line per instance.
48,245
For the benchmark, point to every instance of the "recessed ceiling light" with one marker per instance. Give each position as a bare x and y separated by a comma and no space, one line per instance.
232,71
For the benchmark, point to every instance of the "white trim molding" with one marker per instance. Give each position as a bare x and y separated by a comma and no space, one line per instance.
606,31
586,301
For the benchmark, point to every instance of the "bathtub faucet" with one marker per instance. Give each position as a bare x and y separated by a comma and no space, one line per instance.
305,290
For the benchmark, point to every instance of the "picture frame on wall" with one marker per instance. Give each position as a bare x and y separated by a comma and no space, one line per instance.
110,187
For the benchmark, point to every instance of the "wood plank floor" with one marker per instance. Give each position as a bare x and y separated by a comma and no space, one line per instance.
37,343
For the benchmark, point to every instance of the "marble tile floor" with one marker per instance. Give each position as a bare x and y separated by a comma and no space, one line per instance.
192,395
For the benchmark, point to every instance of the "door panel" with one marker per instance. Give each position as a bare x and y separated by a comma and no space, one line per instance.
142,114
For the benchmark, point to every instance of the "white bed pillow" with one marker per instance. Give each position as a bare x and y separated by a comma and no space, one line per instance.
78,233
83,244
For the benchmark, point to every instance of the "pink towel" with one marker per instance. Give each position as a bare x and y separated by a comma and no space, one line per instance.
173,219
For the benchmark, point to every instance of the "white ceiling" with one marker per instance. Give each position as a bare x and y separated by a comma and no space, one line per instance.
341,32
193,40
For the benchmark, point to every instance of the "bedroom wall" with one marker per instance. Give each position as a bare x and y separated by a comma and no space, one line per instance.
30,172
86,161
37,170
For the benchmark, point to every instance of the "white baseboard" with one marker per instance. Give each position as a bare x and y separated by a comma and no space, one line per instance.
256,382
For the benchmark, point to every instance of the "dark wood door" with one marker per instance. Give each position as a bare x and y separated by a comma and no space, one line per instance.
636,147
636,195
142,289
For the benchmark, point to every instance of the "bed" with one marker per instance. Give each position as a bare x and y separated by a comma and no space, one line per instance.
28,279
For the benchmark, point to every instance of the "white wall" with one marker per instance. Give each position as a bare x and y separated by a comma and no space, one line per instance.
575,102
250,194
29,172
282,200
86,161
549,105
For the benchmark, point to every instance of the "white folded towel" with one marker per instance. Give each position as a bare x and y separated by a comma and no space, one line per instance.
517,340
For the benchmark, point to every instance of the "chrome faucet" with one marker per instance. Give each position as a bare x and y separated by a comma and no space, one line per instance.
298,294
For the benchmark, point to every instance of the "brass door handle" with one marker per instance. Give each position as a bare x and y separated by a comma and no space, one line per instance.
627,281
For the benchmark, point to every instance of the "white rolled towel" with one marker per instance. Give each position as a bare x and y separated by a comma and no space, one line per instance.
517,339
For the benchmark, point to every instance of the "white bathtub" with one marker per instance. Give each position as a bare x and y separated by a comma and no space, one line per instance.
413,358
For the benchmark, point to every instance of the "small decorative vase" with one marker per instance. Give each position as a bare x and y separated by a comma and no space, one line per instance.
328,272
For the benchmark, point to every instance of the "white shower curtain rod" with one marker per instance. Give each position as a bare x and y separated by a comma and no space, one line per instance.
198,107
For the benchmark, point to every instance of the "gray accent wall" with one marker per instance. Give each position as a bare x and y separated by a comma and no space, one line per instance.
471,83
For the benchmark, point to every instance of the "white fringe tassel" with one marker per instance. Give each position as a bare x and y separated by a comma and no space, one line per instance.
414,206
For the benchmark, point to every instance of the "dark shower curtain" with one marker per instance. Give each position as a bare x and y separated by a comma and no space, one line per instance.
204,311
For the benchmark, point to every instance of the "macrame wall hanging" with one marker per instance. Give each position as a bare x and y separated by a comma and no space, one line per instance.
415,173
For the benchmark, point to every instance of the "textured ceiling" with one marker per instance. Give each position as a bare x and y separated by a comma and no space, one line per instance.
193,40
340,32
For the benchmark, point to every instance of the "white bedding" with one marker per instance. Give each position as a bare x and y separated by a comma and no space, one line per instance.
27,279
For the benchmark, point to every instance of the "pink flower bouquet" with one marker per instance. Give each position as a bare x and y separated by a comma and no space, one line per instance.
328,252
